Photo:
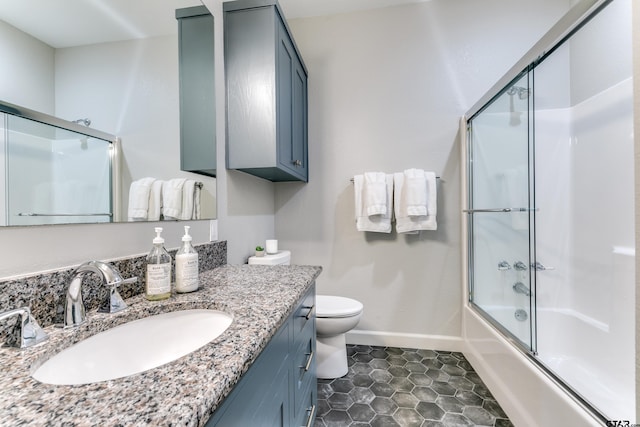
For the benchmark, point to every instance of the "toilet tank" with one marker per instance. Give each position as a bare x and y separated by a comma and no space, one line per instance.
279,258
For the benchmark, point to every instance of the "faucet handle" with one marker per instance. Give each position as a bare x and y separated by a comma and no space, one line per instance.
27,331
114,303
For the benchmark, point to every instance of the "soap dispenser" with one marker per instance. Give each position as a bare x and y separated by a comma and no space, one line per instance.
186,265
158,278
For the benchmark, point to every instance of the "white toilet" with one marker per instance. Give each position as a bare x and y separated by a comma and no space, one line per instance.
335,316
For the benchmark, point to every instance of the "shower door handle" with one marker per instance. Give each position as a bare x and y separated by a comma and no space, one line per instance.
470,211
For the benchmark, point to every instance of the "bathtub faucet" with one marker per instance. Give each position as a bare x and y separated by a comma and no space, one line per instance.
521,288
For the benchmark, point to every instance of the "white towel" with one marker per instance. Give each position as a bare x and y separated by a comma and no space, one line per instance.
375,223
413,224
155,201
196,201
415,192
172,198
139,199
517,185
187,199
375,193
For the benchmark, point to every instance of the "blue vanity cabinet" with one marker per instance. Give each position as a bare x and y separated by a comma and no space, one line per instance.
280,388
266,84
197,93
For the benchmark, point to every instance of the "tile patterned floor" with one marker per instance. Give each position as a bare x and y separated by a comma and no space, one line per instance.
402,387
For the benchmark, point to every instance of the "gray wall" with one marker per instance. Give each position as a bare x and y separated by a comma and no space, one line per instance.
386,90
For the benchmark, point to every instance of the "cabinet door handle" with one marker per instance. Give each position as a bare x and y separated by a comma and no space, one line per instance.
308,315
309,360
297,163
312,415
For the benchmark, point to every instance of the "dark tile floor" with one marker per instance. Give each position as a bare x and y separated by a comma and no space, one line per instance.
402,387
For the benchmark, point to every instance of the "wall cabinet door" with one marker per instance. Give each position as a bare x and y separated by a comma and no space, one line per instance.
197,93
266,93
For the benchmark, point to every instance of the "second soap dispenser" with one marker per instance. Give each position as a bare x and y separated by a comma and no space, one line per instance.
186,265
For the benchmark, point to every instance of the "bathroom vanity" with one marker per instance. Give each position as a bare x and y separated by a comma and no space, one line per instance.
261,366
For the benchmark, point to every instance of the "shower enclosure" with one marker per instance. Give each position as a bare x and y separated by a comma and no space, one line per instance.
550,210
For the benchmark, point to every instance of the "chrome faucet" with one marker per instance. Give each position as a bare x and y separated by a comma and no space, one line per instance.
74,312
521,288
27,332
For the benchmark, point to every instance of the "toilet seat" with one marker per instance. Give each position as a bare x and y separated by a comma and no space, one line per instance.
329,306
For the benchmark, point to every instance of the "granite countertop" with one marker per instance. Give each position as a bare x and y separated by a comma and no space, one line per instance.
184,392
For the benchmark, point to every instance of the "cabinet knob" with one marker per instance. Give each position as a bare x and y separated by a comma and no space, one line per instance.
297,163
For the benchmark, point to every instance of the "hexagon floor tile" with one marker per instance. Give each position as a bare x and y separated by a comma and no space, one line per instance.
388,387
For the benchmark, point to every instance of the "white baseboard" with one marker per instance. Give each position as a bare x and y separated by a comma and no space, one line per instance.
404,340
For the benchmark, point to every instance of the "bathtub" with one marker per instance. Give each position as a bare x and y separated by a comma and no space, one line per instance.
530,396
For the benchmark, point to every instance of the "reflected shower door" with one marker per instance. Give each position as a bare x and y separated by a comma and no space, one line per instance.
500,214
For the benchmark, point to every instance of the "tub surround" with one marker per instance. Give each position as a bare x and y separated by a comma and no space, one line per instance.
44,293
185,391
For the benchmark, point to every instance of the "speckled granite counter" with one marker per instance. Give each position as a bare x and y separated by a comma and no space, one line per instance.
184,392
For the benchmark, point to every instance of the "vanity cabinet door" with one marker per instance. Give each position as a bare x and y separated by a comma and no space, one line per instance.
197,97
266,93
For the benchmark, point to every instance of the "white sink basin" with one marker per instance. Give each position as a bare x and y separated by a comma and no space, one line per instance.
133,347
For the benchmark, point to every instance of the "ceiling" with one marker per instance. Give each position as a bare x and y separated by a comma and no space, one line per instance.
66,23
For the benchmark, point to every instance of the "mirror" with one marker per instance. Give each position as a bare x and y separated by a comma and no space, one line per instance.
113,62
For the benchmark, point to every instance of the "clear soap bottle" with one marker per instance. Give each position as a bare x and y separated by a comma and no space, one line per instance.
158,277
186,265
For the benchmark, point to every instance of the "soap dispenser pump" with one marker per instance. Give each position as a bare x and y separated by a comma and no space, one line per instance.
158,277
186,265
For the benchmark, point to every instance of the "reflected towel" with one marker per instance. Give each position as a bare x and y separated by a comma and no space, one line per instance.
172,198
196,201
375,198
139,199
187,199
375,223
155,201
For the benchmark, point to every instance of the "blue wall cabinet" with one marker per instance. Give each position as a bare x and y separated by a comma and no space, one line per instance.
280,388
197,91
266,84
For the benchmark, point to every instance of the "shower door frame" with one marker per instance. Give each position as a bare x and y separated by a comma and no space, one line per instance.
575,19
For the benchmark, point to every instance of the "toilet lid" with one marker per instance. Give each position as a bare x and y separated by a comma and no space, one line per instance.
332,306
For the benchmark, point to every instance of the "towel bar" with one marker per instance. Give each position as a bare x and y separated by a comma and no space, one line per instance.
437,177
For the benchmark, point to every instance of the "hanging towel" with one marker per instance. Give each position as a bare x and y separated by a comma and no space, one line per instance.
196,201
413,224
374,223
139,199
188,190
415,192
155,201
517,186
172,198
375,193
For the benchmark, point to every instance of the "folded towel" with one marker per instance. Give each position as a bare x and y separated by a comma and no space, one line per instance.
517,185
172,198
415,192
375,223
413,224
139,199
375,193
187,199
155,201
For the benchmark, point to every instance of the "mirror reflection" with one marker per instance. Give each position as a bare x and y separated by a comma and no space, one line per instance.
110,65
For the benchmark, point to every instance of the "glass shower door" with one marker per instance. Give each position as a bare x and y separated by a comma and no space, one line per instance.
500,214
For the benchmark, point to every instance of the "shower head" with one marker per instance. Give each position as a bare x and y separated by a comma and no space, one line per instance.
522,92
85,122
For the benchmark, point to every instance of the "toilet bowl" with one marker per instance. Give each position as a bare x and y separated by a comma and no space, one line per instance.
335,316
